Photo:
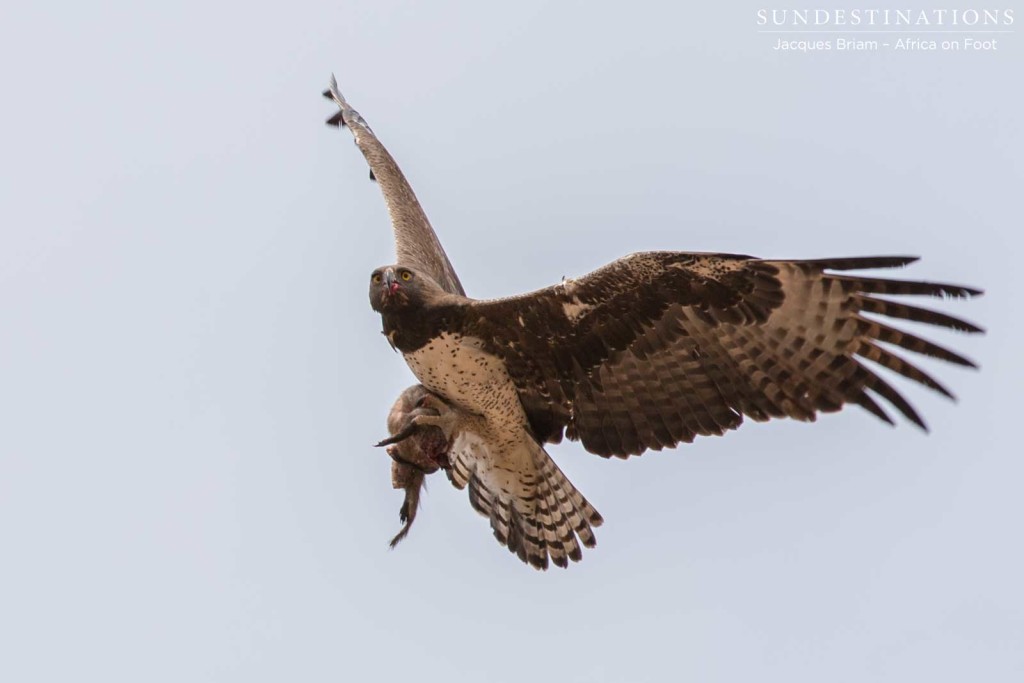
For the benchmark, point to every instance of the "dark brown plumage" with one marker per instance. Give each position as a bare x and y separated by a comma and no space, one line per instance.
650,351
657,348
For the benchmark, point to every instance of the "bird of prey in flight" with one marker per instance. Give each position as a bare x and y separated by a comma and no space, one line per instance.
647,352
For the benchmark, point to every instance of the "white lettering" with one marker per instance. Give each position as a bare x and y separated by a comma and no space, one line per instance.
802,45
983,45
852,45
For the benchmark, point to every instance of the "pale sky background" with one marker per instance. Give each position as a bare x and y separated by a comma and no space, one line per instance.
191,377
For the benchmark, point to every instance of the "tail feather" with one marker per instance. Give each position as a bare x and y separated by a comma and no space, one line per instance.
533,509
578,511
558,532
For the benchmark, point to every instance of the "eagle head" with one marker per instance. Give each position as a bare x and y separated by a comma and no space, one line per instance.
394,288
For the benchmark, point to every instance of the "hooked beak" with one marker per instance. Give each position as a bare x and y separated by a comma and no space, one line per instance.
390,283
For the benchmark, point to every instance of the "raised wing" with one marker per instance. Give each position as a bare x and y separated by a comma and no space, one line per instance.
657,348
416,244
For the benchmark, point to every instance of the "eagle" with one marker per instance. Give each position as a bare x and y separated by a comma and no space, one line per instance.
645,353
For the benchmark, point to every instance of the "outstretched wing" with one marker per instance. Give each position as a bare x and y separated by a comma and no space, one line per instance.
657,348
416,244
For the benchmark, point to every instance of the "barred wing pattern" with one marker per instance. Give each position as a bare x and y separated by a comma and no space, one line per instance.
416,243
659,347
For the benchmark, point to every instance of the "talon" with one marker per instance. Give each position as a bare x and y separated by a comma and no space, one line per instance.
431,402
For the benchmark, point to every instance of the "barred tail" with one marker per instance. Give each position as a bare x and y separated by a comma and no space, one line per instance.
533,508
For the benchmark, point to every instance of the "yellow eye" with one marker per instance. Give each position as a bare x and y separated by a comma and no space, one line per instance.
406,275
377,278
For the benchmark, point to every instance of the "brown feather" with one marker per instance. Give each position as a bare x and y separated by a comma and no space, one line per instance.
657,348
416,244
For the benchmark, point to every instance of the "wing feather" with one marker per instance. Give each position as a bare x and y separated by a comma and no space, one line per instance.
416,243
657,348
901,311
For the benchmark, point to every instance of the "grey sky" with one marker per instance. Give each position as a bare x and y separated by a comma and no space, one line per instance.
191,376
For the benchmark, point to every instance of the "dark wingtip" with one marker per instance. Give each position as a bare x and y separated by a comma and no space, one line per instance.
372,177
334,95
872,407
968,363
863,262
911,414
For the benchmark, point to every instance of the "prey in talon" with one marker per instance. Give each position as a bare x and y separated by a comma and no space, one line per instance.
418,446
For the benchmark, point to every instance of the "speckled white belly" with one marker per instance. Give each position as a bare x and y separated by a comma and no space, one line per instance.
459,370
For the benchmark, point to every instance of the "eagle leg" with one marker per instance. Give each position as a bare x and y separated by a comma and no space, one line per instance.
446,423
